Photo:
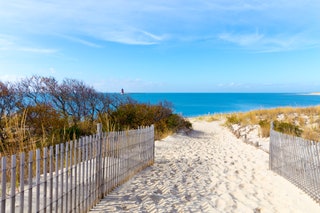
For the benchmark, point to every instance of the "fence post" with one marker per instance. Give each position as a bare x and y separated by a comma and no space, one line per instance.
38,159
153,144
99,163
99,128
4,183
22,163
270,145
30,163
13,182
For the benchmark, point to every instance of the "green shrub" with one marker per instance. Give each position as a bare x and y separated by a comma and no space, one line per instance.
70,133
133,115
287,128
233,119
265,128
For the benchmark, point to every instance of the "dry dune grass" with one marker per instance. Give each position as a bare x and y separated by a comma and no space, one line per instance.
307,119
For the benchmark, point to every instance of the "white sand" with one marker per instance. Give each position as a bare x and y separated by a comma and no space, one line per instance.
209,170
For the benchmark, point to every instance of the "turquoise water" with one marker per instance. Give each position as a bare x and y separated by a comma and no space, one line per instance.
194,104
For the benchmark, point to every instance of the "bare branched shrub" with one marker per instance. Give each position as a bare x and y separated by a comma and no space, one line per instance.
39,111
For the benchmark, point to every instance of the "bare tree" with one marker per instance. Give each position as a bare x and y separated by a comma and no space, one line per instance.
32,91
83,102
59,96
8,99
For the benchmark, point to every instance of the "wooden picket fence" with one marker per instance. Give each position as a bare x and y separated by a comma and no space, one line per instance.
297,160
73,176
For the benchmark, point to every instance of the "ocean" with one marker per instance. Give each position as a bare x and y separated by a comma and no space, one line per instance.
196,104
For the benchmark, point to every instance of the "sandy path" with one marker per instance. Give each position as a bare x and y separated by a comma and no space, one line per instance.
208,171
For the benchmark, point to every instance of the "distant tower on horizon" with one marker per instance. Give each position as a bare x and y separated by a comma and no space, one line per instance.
122,91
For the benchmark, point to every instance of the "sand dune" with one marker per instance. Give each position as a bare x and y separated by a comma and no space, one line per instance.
209,170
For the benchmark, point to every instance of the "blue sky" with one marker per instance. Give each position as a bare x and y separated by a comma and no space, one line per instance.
165,45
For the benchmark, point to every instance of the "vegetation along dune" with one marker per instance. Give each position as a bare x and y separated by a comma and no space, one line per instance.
217,163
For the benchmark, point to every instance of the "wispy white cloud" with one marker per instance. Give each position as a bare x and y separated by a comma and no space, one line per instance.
154,37
144,22
233,85
132,36
5,41
10,43
36,50
279,43
81,41
270,43
116,21
242,39
235,5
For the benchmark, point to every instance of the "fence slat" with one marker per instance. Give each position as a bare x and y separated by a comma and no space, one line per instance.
4,183
45,184
71,173
76,147
67,177
90,168
51,179
22,158
79,174
13,183
87,174
30,181
83,148
38,158
57,178
61,176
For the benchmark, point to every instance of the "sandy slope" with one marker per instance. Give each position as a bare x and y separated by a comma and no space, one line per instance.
208,170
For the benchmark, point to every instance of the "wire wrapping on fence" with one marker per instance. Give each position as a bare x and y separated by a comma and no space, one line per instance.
297,160
73,176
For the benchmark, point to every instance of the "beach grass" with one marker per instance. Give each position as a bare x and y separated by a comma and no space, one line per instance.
307,119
